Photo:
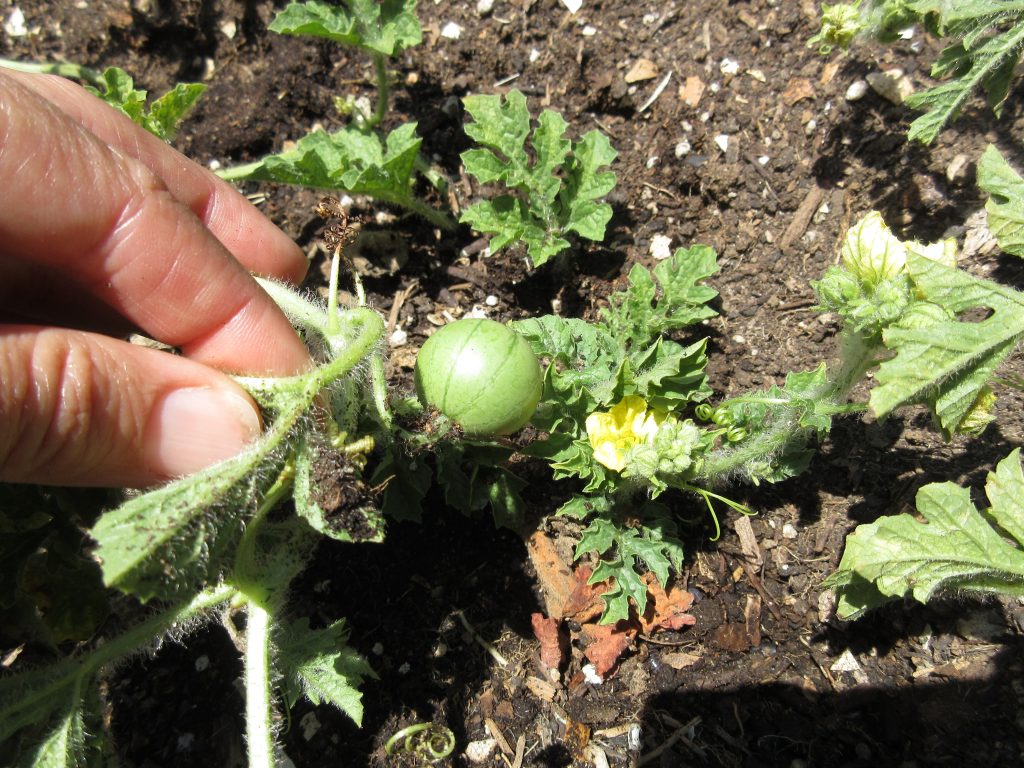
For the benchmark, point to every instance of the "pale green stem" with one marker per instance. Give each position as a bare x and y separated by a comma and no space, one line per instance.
37,687
858,356
258,696
63,68
332,294
380,391
380,66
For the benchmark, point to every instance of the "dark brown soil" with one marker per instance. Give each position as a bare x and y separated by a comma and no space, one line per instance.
774,679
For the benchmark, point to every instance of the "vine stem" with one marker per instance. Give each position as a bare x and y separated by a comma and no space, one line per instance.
858,355
62,68
74,671
258,696
380,66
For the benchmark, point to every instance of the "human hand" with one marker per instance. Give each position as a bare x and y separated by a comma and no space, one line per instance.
105,229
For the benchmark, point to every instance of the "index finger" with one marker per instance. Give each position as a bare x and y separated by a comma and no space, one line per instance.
112,225
243,230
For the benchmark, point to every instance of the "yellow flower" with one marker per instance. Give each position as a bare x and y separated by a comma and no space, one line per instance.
612,433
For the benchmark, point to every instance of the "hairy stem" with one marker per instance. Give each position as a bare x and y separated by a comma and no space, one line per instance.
332,293
259,712
25,695
783,428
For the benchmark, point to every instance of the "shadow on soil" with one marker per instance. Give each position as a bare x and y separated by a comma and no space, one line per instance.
935,721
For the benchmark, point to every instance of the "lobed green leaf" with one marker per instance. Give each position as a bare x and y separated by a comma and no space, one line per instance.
552,190
946,364
673,298
319,664
387,28
955,549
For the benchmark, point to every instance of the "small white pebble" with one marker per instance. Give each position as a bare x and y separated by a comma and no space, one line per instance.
15,24
484,7
573,5
789,531
661,247
633,740
229,29
309,725
399,338
722,142
404,668
651,161
451,31
202,663
682,148
590,674
729,66
858,90
589,31
480,751
491,301
738,339
213,165
763,160
534,55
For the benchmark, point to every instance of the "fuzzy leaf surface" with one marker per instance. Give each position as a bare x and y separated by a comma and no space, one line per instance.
387,28
1005,206
947,364
957,548
319,664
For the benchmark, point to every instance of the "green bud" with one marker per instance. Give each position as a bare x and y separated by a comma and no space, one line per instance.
840,23
872,252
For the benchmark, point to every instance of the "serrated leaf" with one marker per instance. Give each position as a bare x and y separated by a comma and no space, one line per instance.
553,190
955,549
989,65
319,664
349,159
669,374
167,112
1005,206
499,125
387,28
670,299
624,551
947,364
168,543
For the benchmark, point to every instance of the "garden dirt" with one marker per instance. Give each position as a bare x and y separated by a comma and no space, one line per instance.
733,133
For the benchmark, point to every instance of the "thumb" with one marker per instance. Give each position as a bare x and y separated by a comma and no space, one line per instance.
82,409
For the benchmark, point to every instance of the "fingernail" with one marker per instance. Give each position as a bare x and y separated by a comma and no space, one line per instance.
192,429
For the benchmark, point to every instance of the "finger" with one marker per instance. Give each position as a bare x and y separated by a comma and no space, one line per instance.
83,409
111,225
241,228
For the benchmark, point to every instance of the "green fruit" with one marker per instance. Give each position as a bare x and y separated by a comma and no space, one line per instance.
481,375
